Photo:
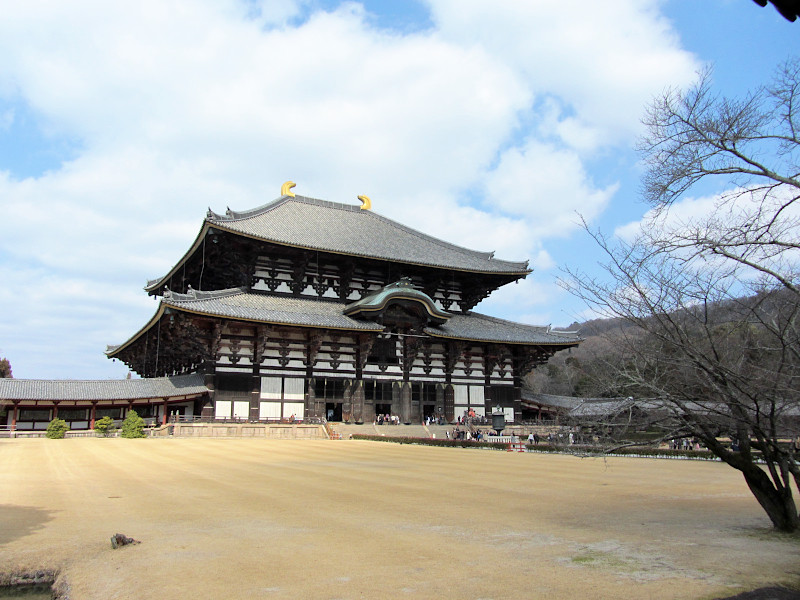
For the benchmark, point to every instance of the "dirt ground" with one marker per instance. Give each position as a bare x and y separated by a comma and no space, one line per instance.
251,518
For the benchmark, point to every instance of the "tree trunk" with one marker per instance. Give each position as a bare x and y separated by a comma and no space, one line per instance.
779,505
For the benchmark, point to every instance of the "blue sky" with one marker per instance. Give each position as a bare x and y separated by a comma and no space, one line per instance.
492,125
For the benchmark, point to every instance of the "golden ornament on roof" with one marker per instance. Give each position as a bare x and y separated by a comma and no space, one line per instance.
286,188
366,203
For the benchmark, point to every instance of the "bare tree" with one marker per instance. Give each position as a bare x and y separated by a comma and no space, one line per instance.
717,296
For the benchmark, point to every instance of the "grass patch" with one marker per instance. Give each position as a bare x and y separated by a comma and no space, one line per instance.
597,558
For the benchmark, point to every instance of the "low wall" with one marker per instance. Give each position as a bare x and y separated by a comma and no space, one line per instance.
246,430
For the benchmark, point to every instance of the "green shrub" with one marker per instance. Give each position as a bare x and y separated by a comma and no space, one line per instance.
105,426
133,426
57,429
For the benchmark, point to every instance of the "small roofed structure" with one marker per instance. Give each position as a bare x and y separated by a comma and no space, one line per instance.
575,409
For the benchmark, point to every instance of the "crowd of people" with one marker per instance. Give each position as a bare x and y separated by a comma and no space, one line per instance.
470,417
459,433
387,419
690,444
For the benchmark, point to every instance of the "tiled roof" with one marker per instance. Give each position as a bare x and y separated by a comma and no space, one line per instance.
237,304
478,327
107,389
600,407
583,407
565,402
346,229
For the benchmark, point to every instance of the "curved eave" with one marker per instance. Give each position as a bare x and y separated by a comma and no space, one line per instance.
287,322
111,353
519,274
187,255
216,226
566,344
164,306
219,224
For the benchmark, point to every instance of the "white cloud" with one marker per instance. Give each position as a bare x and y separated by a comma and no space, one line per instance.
548,186
605,59
179,105
734,238
678,216
535,301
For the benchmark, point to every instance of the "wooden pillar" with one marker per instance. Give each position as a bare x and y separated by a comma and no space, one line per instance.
314,343
260,337
368,414
449,403
405,387
312,408
357,401
487,385
405,402
164,410
93,414
55,409
207,412
255,399
347,401
517,380
439,408
397,403
357,396
14,416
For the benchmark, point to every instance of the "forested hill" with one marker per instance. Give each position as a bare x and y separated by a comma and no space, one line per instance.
589,370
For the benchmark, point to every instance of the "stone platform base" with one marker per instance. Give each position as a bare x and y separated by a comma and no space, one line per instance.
245,430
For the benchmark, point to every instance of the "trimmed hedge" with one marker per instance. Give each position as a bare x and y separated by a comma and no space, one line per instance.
431,441
640,451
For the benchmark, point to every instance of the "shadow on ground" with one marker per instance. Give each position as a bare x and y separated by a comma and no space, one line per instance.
18,521
767,593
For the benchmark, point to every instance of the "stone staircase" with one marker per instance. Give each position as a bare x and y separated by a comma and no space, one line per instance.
345,430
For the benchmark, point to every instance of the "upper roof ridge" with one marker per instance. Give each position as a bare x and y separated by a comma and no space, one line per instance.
238,215
345,229
193,294
234,215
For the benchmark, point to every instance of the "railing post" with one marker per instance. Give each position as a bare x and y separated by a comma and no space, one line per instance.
14,419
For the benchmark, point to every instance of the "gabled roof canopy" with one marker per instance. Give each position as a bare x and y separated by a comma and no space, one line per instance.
398,292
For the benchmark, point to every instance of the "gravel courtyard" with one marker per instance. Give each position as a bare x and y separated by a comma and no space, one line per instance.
250,518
